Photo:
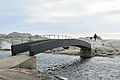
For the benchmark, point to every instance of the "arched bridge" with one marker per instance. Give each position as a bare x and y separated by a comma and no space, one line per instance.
35,47
39,46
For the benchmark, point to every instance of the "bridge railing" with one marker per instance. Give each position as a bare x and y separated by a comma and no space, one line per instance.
57,36
19,40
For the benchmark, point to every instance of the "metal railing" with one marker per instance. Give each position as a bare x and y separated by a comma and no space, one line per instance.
57,36
17,40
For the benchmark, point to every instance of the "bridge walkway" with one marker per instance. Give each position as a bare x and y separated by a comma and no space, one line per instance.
36,47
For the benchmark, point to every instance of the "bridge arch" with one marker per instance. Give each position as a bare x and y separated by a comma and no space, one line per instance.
36,47
51,44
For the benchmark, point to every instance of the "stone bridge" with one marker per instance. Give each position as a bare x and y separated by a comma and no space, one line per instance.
21,60
36,47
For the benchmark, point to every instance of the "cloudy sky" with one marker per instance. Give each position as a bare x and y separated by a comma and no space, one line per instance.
70,17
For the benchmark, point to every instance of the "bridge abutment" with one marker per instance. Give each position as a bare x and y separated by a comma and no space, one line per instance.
86,53
28,64
19,61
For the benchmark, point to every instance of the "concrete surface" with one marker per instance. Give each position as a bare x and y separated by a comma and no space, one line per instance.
22,61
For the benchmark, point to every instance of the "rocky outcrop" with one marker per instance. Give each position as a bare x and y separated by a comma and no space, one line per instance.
101,46
18,35
104,46
5,46
3,35
16,38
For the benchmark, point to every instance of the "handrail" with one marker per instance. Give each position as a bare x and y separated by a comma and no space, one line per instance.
57,36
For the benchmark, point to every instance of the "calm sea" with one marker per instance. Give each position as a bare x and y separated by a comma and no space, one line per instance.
4,54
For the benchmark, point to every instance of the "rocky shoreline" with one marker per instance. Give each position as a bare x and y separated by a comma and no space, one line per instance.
6,40
99,46
25,74
104,48
17,73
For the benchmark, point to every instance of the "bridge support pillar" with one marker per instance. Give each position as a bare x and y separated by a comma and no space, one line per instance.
29,63
86,53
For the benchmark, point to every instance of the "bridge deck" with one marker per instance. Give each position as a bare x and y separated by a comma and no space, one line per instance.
36,47
13,61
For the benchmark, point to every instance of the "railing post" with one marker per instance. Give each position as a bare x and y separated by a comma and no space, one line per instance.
62,36
54,36
58,36
48,36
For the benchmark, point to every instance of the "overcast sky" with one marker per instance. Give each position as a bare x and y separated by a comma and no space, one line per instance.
70,17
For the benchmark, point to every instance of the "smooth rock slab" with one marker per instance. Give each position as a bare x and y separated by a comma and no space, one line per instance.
21,61
24,74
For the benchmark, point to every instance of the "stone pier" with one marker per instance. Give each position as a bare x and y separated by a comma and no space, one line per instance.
86,53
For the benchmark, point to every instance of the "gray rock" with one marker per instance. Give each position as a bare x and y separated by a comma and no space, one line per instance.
18,35
3,35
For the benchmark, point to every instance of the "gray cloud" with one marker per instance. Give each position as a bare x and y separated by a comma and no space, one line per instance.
61,16
114,12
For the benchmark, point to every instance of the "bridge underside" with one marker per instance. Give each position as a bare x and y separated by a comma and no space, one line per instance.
36,47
